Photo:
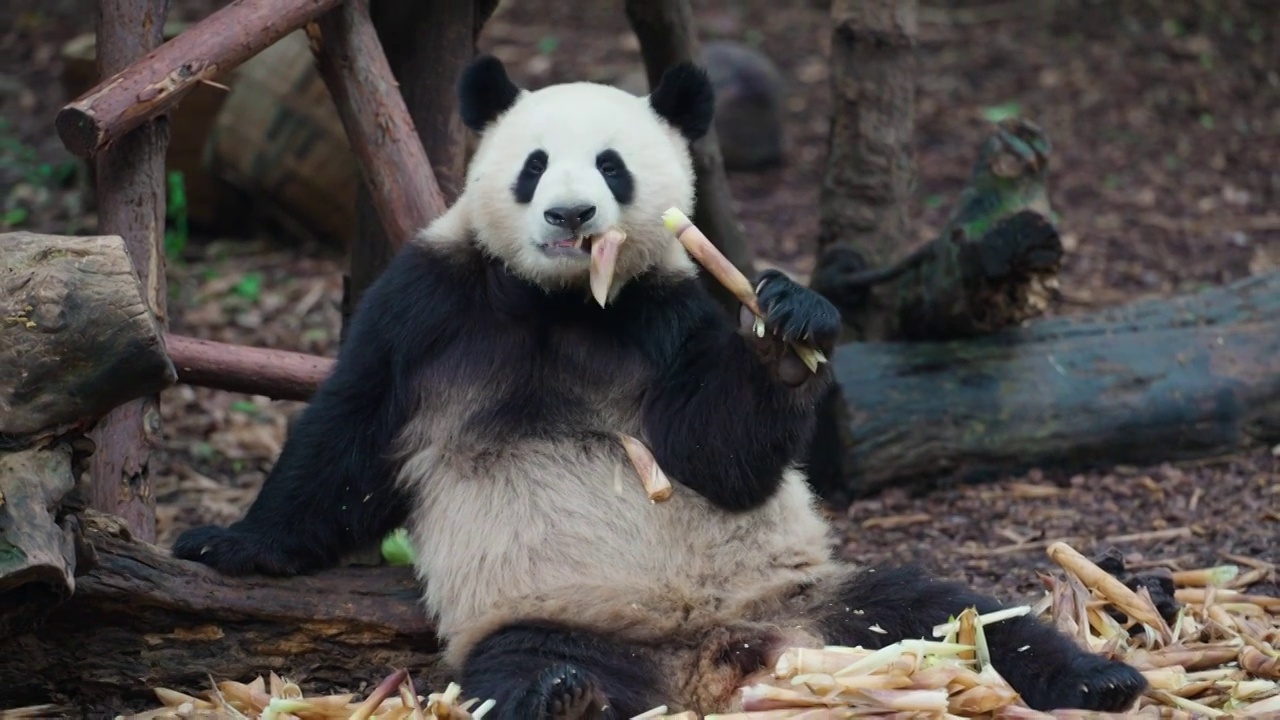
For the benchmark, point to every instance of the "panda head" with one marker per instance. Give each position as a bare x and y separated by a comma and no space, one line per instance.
556,167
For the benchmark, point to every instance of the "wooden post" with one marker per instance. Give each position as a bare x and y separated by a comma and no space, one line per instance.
131,203
665,31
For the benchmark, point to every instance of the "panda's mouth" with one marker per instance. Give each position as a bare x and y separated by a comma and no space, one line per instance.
576,246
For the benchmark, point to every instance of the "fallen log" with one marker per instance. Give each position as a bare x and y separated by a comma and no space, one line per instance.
77,337
391,157
1190,376
140,619
151,85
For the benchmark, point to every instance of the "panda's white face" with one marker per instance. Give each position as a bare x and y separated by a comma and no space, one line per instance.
557,167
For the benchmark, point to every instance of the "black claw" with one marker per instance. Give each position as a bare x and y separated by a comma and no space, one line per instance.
562,692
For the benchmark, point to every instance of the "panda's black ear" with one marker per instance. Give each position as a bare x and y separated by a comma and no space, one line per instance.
484,92
685,98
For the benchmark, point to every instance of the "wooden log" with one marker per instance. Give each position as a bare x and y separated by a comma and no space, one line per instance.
1191,376
391,157
131,203
76,339
37,556
138,88
665,30
277,374
993,265
140,619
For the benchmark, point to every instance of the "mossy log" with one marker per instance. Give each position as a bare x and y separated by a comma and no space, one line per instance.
1191,376
140,619
992,266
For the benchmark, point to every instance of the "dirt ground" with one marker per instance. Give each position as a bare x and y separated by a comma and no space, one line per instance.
1165,119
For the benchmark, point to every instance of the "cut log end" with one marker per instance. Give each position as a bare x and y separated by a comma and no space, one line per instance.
80,134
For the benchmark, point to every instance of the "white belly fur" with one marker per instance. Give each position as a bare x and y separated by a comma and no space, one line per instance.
517,537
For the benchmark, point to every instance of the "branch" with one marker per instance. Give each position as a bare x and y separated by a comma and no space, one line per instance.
665,31
140,619
152,85
277,374
392,160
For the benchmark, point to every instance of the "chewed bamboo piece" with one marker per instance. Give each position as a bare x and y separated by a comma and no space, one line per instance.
1221,659
654,480
710,257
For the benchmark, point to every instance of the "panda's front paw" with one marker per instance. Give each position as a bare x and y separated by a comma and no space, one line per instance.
233,552
1092,683
562,692
795,313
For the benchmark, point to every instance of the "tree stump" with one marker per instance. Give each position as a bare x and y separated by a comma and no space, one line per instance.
77,337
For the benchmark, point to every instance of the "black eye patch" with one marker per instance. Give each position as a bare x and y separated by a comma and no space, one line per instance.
616,175
527,181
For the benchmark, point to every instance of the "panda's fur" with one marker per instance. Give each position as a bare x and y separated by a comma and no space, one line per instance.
478,397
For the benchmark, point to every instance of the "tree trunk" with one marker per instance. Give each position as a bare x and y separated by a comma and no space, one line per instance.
140,619
131,204
427,44
664,29
1193,376
870,170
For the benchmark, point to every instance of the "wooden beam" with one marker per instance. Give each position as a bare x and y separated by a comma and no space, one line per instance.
137,88
131,203
277,374
390,155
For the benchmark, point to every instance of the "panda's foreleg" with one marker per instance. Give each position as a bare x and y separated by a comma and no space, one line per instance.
332,489
1046,667
538,671
731,410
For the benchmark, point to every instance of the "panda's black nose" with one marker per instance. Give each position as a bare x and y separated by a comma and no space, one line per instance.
570,217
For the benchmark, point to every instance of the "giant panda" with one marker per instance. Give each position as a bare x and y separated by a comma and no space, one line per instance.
478,397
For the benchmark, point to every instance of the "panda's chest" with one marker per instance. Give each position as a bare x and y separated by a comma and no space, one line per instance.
555,377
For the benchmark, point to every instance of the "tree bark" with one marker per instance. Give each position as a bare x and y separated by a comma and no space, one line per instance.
37,556
427,44
137,89
131,204
391,157
870,171
140,619
277,374
665,30
1192,376
991,267
77,339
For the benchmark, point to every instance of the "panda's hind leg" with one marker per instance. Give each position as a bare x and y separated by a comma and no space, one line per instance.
542,671
1046,667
